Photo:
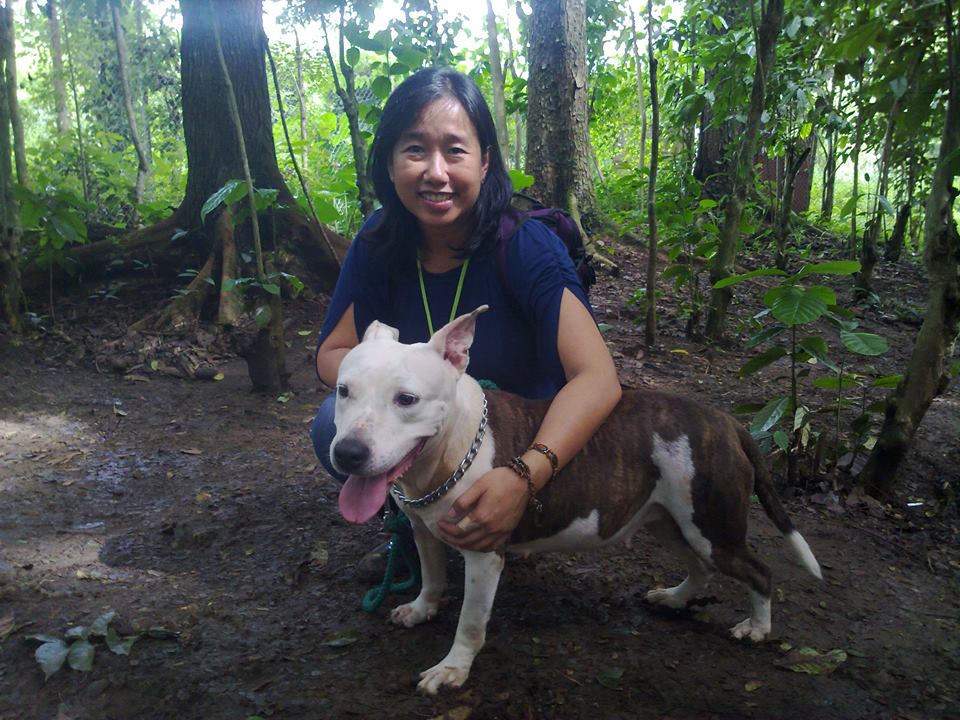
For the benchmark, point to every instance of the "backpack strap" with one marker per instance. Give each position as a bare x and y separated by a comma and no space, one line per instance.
510,221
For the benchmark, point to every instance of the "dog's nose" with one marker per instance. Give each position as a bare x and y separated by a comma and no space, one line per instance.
350,454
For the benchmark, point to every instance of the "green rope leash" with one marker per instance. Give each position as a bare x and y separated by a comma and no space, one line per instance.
399,542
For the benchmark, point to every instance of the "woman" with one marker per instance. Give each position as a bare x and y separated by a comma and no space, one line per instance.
429,254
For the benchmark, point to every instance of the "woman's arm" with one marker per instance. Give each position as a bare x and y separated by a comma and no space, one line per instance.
335,346
496,502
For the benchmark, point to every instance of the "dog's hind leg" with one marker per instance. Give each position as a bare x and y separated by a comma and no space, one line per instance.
433,565
741,564
665,529
481,576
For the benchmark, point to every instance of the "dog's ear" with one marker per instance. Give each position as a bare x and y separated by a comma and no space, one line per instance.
454,339
378,331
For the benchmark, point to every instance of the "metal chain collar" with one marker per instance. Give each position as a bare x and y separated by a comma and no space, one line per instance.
433,496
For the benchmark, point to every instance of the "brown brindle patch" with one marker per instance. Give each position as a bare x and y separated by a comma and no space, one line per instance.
615,473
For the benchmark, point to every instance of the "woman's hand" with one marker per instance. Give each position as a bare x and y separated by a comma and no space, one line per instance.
484,516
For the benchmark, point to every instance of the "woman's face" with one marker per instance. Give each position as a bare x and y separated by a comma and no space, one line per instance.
437,168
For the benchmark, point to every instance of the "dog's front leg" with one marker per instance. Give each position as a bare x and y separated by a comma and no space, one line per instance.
481,577
433,566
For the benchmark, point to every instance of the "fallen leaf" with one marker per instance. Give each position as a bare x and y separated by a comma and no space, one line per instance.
51,656
320,554
680,351
202,497
119,412
80,656
810,661
218,376
347,637
753,685
191,451
7,626
610,678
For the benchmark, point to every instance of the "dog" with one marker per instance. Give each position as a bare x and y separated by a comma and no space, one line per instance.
410,421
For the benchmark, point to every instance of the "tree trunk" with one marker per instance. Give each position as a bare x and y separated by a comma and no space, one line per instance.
635,47
894,246
651,320
301,105
857,143
927,374
723,262
794,162
56,55
714,167
10,227
347,93
143,163
267,365
558,136
497,82
16,121
84,169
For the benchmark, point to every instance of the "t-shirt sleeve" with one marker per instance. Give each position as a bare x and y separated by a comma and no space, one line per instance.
539,268
361,283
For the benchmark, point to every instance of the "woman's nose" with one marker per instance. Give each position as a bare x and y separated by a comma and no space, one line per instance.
436,170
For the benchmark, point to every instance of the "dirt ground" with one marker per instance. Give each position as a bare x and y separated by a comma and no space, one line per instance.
196,511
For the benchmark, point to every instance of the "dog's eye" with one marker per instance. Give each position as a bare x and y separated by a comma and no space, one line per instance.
342,391
406,399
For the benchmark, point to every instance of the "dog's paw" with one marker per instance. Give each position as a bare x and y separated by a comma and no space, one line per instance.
667,597
413,613
751,629
442,675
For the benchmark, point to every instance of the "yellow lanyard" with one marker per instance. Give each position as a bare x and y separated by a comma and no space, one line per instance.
456,298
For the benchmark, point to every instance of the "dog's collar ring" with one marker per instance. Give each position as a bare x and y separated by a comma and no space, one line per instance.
434,495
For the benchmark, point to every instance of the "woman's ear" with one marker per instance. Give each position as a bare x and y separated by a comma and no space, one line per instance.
485,164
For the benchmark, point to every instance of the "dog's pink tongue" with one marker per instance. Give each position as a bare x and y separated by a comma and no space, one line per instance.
362,497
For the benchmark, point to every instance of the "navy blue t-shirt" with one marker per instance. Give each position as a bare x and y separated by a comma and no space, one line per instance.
515,344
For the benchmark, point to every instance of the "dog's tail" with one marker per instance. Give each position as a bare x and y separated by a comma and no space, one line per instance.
763,485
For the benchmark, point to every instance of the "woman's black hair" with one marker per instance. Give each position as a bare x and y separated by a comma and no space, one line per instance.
396,234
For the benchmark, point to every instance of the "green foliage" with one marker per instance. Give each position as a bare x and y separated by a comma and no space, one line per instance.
785,420
53,222
77,646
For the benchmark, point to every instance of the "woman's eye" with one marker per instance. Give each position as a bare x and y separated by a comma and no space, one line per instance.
406,399
342,391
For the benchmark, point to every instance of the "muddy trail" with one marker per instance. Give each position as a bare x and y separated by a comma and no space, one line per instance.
196,511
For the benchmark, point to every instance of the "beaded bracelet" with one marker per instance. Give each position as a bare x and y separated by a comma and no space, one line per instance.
550,455
523,470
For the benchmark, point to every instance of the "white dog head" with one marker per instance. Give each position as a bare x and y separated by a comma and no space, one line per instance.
391,400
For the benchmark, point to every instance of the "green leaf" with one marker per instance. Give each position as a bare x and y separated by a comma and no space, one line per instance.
760,272
863,343
817,347
800,417
521,180
781,439
79,632
885,204
271,288
805,130
832,382
231,191
381,87
99,626
849,207
887,381
352,56
610,677
747,408
770,415
262,316
80,656
762,360
768,333
118,645
835,267
327,212
899,86
797,306
51,656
